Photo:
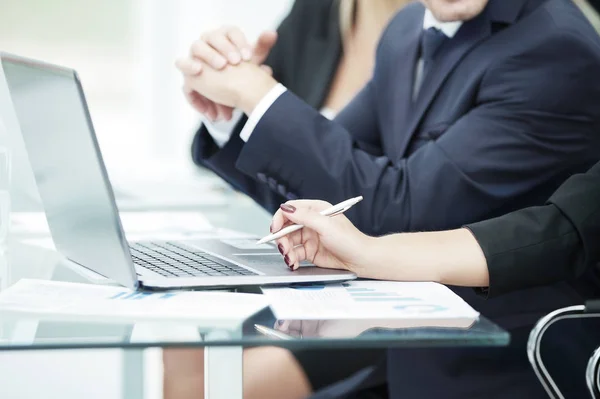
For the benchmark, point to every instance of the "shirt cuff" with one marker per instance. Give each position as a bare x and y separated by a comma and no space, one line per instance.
260,110
221,131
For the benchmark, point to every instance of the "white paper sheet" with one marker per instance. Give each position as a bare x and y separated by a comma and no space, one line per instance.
88,302
371,300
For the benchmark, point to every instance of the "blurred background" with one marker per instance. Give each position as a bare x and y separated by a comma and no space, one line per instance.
124,52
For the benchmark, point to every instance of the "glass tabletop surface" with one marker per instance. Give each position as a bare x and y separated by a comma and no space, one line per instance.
25,332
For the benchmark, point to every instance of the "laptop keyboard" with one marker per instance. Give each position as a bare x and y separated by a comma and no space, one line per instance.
178,260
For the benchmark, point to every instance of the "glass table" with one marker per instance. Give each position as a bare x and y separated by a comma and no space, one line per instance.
223,354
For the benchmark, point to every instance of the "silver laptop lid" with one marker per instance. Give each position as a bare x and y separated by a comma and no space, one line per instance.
68,167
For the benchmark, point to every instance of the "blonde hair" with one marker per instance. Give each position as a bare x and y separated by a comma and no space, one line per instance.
591,14
348,13
347,16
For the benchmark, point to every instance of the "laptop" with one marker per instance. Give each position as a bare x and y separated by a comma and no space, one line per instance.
80,207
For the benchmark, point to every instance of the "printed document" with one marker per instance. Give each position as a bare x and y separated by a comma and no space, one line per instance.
382,300
89,302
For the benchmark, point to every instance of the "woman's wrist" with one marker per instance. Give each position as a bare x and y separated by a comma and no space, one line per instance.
402,257
361,264
468,266
448,257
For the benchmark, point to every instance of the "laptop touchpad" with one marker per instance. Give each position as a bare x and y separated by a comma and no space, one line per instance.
249,245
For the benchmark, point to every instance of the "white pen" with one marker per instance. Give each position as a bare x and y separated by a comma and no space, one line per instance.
333,211
269,332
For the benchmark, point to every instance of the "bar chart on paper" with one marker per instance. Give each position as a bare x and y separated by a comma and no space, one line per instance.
128,295
396,299
370,300
61,300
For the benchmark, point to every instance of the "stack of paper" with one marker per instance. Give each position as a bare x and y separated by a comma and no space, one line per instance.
87,302
415,304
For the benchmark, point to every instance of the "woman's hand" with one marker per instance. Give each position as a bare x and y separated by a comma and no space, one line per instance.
451,257
328,242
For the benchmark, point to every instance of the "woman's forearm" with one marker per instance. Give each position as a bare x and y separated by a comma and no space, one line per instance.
449,257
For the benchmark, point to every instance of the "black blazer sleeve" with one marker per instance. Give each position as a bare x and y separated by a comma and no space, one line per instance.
304,59
545,244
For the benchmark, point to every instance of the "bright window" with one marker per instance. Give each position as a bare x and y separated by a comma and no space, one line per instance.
124,51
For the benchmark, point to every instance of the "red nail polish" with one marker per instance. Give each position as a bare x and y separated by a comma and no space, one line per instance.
286,259
271,228
288,208
280,248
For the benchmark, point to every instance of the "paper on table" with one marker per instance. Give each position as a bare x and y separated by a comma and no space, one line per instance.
87,302
371,300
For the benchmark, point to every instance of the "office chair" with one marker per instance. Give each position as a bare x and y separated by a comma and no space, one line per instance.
592,375
588,311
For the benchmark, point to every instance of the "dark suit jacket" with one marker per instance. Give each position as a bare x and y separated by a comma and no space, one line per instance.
541,245
304,59
510,110
508,114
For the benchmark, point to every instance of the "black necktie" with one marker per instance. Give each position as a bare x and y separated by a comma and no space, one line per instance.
431,40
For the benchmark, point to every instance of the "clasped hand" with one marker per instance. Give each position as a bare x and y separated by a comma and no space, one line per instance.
223,71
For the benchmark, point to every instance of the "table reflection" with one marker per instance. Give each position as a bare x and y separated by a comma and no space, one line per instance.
354,328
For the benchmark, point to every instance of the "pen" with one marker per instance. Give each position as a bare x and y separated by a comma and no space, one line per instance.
269,332
333,211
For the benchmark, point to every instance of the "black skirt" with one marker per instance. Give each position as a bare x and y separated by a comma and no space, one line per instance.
328,369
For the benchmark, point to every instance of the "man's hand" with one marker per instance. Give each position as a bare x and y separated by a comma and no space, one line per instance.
217,49
241,86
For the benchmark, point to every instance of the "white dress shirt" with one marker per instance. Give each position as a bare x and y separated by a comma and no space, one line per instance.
221,131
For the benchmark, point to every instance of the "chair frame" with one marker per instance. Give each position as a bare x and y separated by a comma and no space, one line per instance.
592,375
535,358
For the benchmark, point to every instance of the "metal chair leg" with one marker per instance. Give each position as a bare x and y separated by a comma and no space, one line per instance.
592,375
535,340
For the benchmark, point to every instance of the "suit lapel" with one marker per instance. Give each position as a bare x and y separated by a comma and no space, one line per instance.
323,52
404,71
318,74
449,55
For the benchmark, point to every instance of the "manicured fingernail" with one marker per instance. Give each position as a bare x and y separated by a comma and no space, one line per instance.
246,54
280,322
280,248
219,62
234,58
287,208
286,259
271,228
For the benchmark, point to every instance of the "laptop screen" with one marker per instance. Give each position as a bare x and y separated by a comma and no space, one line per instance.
68,167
